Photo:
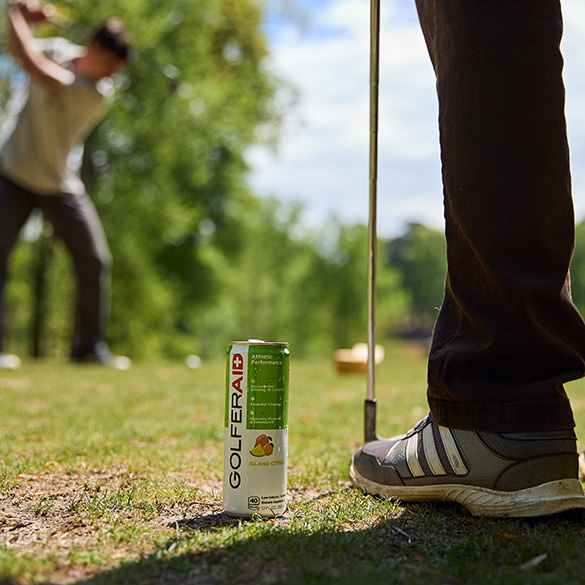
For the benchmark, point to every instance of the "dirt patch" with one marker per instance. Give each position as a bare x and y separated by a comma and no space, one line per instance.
83,523
70,516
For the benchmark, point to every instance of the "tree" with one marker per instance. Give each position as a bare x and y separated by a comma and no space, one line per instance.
304,286
173,147
578,268
166,165
198,259
420,256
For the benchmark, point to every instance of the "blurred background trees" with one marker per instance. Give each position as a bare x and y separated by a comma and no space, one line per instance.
578,268
198,258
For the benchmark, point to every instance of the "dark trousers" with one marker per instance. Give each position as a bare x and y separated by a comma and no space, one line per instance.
508,335
76,222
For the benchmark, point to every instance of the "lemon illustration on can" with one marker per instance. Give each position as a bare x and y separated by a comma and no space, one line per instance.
257,451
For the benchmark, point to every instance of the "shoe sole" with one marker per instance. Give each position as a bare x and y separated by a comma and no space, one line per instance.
542,500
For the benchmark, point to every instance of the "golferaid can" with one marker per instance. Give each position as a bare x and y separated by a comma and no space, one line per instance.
256,428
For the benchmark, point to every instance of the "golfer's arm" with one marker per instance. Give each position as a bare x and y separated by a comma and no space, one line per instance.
22,46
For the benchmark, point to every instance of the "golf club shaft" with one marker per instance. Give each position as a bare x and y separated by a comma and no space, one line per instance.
370,407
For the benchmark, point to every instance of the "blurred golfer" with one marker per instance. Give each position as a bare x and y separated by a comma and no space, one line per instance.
41,160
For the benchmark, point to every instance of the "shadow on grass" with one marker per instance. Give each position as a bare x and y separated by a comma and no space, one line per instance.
430,544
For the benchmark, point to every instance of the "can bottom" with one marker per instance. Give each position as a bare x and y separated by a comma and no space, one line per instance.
249,515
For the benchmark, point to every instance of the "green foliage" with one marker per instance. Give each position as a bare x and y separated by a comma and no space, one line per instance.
578,268
288,283
198,260
28,260
166,164
420,256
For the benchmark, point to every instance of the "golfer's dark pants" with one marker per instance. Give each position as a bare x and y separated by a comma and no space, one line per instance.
508,335
76,222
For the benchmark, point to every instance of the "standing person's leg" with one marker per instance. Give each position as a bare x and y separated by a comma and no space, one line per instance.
500,436
508,335
15,207
77,224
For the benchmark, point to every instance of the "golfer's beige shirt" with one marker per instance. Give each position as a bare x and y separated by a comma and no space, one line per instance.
43,154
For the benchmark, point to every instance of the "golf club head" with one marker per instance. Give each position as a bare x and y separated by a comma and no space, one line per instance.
370,420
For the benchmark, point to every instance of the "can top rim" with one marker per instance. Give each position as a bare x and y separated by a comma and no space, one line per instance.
259,342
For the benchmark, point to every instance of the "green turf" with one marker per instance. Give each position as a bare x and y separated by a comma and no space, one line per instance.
115,477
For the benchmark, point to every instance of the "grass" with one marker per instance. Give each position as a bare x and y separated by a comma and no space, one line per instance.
115,477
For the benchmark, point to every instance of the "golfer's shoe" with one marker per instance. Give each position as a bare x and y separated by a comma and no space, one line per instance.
100,354
490,474
9,361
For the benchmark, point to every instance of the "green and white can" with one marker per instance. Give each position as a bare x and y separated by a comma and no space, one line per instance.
256,428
